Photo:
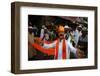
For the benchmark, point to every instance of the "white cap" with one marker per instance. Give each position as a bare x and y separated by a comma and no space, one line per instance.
84,29
66,26
30,27
43,26
80,26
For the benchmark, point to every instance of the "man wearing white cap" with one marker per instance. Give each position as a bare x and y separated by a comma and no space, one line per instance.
67,33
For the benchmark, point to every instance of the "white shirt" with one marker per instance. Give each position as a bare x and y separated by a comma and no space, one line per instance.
42,33
69,48
77,34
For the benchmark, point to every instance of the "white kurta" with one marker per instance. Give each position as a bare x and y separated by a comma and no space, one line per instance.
77,34
69,48
42,33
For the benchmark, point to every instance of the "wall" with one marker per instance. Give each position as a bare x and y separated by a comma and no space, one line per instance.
5,35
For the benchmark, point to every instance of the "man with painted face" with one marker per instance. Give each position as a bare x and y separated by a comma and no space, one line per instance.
83,41
62,46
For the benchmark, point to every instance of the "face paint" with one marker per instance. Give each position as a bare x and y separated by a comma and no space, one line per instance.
61,35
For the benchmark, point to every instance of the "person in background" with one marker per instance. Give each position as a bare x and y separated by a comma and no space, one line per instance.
83,41
31,50
56,32
42,31
46,36
71,37
35,30
79,28
67,32
52,35
77,34
30,34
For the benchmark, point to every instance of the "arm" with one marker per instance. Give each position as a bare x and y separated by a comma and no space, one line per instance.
72,49
77,52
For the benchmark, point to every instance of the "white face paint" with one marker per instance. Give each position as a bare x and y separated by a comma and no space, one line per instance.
61,35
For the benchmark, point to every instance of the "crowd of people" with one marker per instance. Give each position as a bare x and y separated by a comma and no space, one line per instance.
77,36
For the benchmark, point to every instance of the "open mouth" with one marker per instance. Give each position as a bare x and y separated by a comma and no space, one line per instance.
62,35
